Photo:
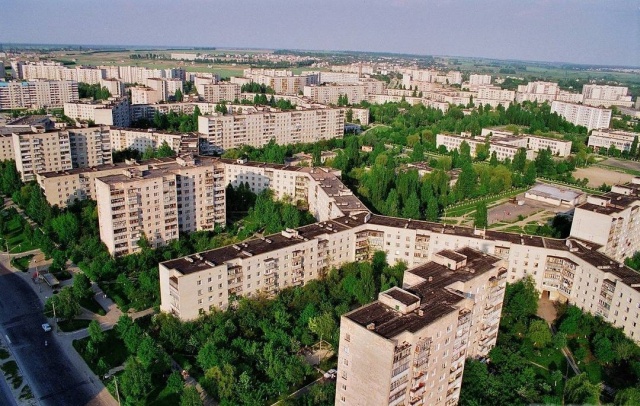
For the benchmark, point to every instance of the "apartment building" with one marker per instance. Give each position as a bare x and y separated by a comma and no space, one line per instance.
114,86
201,79
36,152
590,117
359,115
141,75
281,81
90,146
537,91
606,96
611,220
479,80
494,93
411,343
143,139
147,111
330,94
420,75
37,94
6,146
159,203
217,92
604,138
164,87
144,95
114,111
227,131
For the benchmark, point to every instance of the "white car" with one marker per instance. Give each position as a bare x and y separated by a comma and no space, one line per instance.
46,327
331,374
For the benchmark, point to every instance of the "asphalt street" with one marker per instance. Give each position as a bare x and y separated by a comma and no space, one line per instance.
54,380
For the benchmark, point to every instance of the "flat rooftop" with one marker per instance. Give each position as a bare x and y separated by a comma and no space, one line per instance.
191,263
436,299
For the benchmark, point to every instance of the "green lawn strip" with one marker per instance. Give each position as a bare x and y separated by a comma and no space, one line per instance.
93,306
73,325
10,369
22,263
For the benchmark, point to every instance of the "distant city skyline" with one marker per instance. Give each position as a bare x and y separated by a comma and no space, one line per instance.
574,31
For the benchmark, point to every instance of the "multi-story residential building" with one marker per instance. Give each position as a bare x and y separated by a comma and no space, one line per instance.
590,117
164,87
217,92
37,152
90,146
37,94
144,95
201,79
606,96
411,344
114,111
227,131
611,220
6,146
494,93
147,111
329,94
479,80
159,203
143,139
281,81
409,76
604,138
537,91
359,115
114,86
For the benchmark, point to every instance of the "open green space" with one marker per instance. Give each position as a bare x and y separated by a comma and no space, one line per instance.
14,235
22,263
101,357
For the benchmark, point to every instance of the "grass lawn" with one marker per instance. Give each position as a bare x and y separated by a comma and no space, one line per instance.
93,306
22,263
14,236
10,369
73,325
112,351
470,207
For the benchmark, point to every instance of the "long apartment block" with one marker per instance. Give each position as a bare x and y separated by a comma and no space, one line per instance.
143,139
37,94
605,138
184,196
59,150
411,343
584,275
256,129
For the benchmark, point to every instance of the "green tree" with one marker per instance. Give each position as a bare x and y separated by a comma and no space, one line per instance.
411,208
178,95
633,150
520,301
96,334
221,380
165,150
539,333
324,326
580,390
175,383
65,302
135,382
628,397
190,397
348,115
480,218
82,286
67,227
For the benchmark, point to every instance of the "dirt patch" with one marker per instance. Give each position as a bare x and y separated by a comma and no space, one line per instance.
598,176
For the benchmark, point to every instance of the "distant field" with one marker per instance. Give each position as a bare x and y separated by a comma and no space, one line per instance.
598,176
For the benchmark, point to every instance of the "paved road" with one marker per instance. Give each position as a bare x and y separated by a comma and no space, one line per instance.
51,375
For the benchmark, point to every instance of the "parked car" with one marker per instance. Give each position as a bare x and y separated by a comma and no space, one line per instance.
46,327
331,374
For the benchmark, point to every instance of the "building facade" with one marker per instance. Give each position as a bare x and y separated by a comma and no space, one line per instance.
590,117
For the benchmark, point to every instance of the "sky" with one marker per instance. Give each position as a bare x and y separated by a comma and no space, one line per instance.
603,32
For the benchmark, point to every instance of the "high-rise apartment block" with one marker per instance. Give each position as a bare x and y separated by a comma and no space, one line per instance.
227,131
606,96
37,94
590,117
330,94
143,139
411,344
159,203
217,92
